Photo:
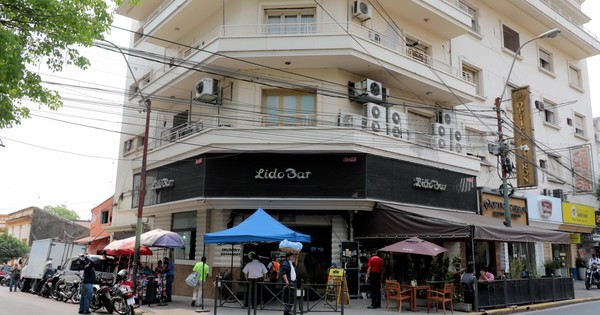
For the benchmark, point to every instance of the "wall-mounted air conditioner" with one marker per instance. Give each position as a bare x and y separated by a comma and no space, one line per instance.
438,129
457,141
362,10
446,117
374,117
350,120
439,142
207,90
369,90
397,124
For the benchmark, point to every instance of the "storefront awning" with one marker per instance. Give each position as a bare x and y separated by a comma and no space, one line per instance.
399,222
89,239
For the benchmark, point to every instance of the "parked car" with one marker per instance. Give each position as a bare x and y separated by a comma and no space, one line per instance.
104,265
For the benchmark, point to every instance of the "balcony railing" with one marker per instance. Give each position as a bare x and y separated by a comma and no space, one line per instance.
568,17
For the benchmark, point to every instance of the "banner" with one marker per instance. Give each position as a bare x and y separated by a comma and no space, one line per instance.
581,163
525,161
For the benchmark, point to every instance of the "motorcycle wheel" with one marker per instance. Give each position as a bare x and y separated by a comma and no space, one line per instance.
120,305
55,294
95,303
76,296
107,304
587,283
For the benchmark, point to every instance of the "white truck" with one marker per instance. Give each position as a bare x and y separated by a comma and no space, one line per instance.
57,251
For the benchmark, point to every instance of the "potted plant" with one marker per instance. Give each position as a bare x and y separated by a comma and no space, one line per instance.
550,265
581,267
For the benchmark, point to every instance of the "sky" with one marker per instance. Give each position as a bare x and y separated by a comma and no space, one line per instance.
69,157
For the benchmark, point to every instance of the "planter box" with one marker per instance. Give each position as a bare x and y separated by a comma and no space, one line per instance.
463,307
581,273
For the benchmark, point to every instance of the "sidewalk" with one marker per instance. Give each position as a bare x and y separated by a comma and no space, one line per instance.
181,305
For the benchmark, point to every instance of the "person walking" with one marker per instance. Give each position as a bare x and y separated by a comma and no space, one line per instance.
169,270
203,271
287,276
89,278
375,266
254,271
15,276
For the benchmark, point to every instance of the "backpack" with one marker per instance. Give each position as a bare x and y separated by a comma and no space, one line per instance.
274,271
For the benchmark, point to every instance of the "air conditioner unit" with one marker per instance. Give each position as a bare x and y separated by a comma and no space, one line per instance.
374,117
457,141
374,36
207,90
362,10
350,120
446,117
370,90
396,123
438,129
439,142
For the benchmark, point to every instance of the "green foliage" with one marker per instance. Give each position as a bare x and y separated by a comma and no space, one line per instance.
516,267
63,212
36,31
11,247
551,264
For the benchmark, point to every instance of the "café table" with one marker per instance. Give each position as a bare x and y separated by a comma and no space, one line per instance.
414,289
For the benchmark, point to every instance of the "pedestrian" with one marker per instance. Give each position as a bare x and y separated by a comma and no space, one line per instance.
273,269
15,276
254,271
375,266
203,271
169,270
89,278
159,268
594,262
287,276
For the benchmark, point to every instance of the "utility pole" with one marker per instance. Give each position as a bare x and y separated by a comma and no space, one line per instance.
504,164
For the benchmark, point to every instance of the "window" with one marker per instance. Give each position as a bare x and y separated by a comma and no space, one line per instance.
554,168
420,125
476,144
472,75
290,21
511,38
472,12
184,224
415,49
579,124
543,164
550,113
288,108
104,218
545,60
575,77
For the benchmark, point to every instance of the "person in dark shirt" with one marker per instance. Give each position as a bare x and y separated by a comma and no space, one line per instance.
89,277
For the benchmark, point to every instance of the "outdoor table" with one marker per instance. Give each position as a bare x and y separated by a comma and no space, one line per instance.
414,291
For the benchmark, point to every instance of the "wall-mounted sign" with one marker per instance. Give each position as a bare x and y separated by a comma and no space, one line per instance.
578,214
425,183
575,238
289,173
162,183
544,208
228,251
493,206
583,174
526,173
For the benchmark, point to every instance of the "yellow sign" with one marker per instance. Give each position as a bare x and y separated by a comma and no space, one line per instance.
526,172
334,272
578,214
575,238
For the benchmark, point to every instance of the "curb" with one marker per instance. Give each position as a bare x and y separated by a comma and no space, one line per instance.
533,307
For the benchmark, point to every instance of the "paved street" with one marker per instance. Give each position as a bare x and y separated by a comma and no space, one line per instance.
28,304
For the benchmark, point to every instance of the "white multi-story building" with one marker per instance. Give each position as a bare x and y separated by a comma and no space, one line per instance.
328,114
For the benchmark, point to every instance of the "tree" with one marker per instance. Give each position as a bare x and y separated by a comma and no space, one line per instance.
11,247
43,29
63,212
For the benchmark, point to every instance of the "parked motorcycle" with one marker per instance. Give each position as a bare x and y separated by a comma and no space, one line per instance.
6,280
592,277
101,297
72,291
122,293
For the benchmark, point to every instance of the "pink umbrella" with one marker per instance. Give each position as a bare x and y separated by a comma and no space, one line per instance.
415,245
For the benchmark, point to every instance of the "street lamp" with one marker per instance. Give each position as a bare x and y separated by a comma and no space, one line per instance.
503,147
138,226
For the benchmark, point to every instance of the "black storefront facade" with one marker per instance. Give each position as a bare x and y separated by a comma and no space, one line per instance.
348,179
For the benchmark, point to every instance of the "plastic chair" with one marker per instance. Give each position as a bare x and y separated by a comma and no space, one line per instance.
393,292
443,296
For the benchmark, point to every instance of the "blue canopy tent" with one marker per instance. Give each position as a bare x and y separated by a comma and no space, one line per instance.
259,227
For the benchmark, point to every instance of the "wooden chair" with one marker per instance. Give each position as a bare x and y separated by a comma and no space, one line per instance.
443,296
393,292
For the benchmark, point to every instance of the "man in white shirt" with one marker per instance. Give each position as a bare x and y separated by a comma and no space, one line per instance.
594,260
254,271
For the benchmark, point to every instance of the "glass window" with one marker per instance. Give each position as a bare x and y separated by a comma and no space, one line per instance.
545,60
579,124
472,12
472,75
288,108
184,224
554,168
550,115
511,38
574,76
290,21
104,219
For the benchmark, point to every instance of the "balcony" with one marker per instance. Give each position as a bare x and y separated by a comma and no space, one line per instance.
349,47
